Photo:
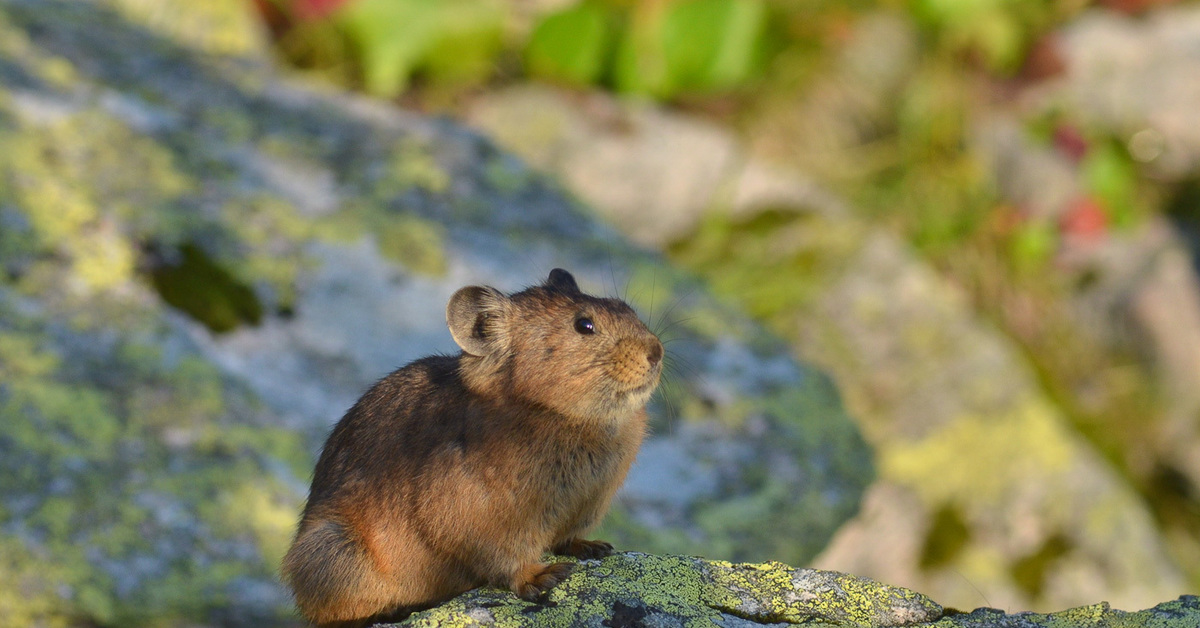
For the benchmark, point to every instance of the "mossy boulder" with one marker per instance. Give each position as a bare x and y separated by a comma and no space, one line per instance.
631,589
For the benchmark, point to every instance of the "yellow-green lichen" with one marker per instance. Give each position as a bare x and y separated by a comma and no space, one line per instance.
275,233
29,587
1005,451
220,27
196,477
412,165
419,245
1181,613
60,175
639,589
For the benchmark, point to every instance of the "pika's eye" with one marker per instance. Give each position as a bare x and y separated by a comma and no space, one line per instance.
585,325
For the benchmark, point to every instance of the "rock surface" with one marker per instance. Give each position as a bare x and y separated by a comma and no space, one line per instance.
637,590
648,169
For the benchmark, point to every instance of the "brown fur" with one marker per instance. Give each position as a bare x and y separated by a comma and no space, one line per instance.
454,472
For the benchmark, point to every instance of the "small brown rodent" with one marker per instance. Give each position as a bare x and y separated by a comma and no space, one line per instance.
455,472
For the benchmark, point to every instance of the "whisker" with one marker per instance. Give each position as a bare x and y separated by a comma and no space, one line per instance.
679,299
968,581
612,274
685,369
673,324
625,292
653,291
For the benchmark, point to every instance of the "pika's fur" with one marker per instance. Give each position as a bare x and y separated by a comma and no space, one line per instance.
454,472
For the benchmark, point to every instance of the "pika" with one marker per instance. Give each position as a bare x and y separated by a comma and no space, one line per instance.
459,471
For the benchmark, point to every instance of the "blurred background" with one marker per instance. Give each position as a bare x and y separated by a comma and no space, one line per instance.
980,217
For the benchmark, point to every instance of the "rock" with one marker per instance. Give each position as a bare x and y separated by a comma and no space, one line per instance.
631,589
1033,518
152,468
1138,78
986,494
643,590
653,173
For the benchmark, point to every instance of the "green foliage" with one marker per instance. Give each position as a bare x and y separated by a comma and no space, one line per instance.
996,32
1109,173
453,41
572,46
1032,246
690,46
659,49
782,258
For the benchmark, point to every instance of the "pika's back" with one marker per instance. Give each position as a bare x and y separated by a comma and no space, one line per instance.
414,409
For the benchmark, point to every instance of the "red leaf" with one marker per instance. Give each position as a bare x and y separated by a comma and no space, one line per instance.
1084,218
1070,142
313,10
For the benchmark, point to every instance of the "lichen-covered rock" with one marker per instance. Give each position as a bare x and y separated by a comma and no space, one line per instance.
205,264
643,590
637,590
1184,611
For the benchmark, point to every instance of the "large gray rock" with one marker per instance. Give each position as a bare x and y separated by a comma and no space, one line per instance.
631,590
153,468
1138,78
653,172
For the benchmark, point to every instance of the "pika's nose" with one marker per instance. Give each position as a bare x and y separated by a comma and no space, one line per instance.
655,353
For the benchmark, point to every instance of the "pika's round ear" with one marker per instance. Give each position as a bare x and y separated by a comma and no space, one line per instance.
474,316
560,279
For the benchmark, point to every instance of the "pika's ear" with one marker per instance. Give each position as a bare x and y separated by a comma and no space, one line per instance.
475,318
560,279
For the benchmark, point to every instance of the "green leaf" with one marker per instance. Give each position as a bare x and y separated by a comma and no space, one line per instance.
998,31
454,39
690,46
572,45
713,44
1109,174
1032,246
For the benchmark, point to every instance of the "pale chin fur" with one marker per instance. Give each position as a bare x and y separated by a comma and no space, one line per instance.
635,399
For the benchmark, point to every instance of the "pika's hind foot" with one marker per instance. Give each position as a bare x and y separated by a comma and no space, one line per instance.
584,549
535,579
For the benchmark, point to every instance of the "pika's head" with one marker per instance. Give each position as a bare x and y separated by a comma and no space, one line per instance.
580,355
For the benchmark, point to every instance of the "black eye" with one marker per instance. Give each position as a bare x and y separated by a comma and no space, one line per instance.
585,325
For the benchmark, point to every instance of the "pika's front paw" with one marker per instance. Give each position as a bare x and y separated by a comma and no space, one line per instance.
535,579
580,548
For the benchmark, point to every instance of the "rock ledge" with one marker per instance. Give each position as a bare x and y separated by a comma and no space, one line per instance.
632,589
